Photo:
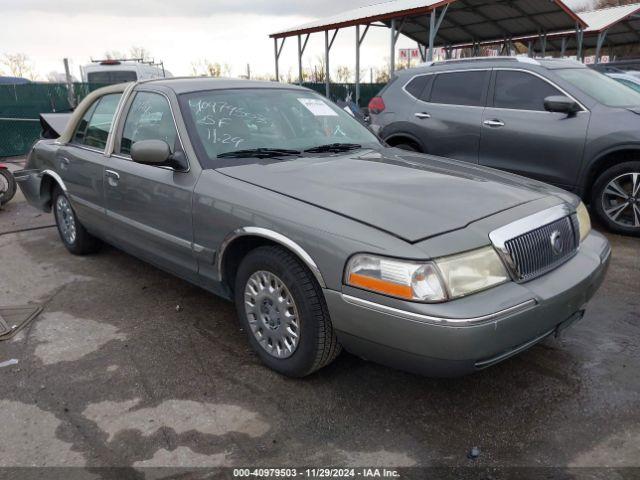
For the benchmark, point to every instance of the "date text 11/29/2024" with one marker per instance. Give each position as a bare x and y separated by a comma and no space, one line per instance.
315,473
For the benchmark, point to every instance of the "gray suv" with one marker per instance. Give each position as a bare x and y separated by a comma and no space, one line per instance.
552,120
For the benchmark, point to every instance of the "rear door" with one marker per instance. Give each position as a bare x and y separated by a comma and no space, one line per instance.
520,136
150,206
448,113
81,162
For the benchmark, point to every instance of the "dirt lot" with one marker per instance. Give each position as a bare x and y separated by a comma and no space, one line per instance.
130,367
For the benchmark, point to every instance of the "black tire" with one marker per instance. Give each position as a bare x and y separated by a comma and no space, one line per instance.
84,243
7,194
598,199
317,343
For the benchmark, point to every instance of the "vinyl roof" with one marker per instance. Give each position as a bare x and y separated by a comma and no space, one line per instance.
465,21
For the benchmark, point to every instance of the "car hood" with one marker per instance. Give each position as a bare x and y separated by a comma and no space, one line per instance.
411,196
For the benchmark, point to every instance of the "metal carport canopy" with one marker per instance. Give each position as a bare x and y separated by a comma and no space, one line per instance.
465,20
434,23
613,26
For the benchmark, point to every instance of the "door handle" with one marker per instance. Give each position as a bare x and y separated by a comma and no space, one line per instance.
112,178
64,163
423,115
494,123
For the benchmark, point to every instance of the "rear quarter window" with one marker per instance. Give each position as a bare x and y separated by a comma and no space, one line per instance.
420,86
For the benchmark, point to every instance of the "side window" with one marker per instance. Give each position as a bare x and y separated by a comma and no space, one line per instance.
149,118
521,91
420,86
93,129
460,88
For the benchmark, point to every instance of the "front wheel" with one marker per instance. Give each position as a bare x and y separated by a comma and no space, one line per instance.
72,233
616,198
7,186
283,311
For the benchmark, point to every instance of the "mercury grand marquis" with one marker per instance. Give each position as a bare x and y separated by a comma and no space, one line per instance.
325,238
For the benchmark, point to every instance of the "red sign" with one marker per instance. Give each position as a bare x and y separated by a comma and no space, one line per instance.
409,53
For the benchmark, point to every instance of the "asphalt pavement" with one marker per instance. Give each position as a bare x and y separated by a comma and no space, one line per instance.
130,367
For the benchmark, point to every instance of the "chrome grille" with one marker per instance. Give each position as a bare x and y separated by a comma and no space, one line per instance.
541,250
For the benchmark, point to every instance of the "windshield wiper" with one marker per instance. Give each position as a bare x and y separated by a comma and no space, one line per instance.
334,147
259,153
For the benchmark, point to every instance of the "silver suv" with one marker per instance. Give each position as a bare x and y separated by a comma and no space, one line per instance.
552,120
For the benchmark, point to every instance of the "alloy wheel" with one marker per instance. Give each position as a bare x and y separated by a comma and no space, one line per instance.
621,200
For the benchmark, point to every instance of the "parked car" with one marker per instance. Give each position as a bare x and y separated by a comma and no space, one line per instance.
113,71
631,81
553,120
275,198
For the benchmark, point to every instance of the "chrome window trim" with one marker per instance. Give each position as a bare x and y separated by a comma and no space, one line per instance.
84,147
271,235
116,119
122,94
175,124
502,235
440,321
440,73
535,74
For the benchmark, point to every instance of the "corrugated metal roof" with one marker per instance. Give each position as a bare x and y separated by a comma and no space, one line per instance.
362,14
598,20
622,25
466,20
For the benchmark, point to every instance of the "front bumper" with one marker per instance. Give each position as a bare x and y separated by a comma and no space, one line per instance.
472,333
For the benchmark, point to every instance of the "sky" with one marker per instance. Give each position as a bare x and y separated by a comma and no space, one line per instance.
180,32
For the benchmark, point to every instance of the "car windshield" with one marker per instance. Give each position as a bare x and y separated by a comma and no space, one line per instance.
222,122
600,87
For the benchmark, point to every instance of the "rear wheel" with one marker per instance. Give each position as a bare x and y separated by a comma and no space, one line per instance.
616,198
283,310
7,186
72,233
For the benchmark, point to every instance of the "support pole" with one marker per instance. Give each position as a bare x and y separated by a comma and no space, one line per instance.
602,36
299,59
563,47
432,30
275,50
579,40
358,65
392,56
543,39
327,81
435,22
530,49
278,51
359,40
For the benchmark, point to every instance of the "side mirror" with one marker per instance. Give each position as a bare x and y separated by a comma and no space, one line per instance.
561,104
157,153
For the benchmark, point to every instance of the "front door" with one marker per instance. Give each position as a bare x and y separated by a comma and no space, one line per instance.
520,136
449,114
81,162
150,206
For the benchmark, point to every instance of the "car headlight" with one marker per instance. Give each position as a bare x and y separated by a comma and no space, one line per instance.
584,221
429,282
472,272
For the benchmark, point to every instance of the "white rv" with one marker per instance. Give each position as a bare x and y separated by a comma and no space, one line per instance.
109,72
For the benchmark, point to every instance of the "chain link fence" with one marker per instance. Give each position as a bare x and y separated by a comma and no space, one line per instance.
21,105
340,91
